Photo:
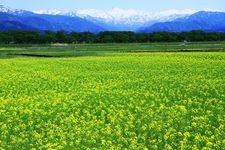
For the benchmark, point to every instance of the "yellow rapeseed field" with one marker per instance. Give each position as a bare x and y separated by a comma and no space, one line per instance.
133,101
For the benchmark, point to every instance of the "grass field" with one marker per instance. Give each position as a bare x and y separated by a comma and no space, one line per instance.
117,101
76,50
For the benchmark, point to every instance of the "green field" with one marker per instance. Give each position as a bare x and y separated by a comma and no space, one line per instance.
113,101
76,50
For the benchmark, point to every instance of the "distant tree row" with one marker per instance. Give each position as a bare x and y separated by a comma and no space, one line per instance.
26,37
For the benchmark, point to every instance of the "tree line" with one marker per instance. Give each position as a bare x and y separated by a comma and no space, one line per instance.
26,37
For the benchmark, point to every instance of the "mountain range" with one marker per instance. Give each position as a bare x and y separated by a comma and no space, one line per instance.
115,19
14,19
118,19
205,21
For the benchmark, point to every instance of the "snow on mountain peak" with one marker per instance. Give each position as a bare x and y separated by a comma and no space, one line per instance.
118,15
6,9
121,19
50,12
10,10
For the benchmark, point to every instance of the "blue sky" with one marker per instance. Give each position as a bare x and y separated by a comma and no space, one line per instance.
150,5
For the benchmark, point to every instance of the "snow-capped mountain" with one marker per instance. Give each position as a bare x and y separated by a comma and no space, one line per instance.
202,20
117,15
8,10
16,19
122,19
116,19
12,11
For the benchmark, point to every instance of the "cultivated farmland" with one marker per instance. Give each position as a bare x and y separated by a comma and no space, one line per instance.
117,101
